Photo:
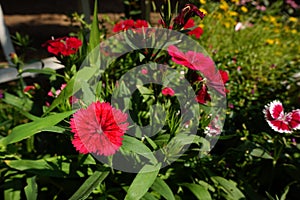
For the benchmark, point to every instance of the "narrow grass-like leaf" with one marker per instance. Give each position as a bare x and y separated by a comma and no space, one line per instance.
199,191
47,71
142,182
95,31
149,196
23,165
20,103
131,144
161,187
24,131
89,185
31,190
231,192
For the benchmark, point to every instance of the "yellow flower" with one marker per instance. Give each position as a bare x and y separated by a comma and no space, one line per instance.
277,30
293,19
227,24
244,9
293,31
235,1
224,6
273,19
270,41
265,18
203,10
202,1
201,26
232,13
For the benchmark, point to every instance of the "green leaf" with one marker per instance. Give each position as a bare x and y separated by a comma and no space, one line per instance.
94,40
12,194
12,189
149,196
89,185
199,191
142,182
24,131
20,103
286,191
131,144
23,165
258,152
161,187
54,129
31,190
231,192
88,95
43,167
47,71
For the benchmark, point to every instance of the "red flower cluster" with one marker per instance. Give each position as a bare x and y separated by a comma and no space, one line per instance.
63,46
98,129
124,25
197,32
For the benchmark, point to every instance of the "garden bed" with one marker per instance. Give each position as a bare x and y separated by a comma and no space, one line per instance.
207,107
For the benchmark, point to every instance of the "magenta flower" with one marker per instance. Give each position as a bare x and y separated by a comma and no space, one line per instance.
98,129
167,91
278,120
198,61
57,92
191,59
144,71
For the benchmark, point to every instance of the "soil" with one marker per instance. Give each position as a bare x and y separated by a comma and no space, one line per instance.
43,19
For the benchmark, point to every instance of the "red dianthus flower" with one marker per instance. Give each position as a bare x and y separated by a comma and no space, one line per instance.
197,32
124,25
198,61
168,91
98,129
63,46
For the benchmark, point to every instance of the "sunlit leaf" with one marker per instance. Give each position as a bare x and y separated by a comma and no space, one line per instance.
142,182
161,187
24,131
89,185
198,190
31,190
